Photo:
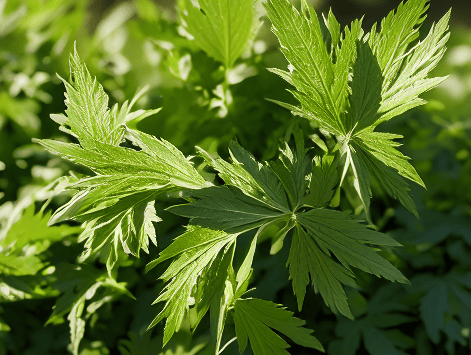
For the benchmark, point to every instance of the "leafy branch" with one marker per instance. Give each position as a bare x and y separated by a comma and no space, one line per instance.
347,82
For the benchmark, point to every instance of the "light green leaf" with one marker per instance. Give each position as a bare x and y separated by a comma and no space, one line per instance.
127,222
401,93
221,28
345,58
398,30
175,165
116,205
254,320
88,114
23,244
33,228
158,163
311,70
218,314
245,270
334,30
195,252
15,288
19,265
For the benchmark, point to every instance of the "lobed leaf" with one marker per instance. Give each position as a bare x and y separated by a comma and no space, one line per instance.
254,320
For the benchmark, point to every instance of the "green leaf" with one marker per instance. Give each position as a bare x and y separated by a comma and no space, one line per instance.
398,30
245,270
218,314
33,228
127,222
88,115
292,168
378,326
321,232
306,261
345,58
226,208
199,255
222,29
336,232
175,165
366,86
23,244
15,288
311,69
20,265
382,147
251,177
377,76
334,30
81,284
254,320
324,178
116,205
444,305
158,163
402,90
183,343
366,165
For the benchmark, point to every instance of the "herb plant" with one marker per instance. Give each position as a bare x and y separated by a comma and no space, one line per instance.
312,199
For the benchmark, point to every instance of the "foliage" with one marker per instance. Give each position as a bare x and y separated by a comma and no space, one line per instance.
234,235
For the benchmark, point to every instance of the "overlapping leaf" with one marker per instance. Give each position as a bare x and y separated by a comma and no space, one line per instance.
324,178
389,73
292,168
253,196
320,234
228,209
115,205
202,258
254,179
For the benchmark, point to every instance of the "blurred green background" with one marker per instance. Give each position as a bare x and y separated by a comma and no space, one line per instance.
132,44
